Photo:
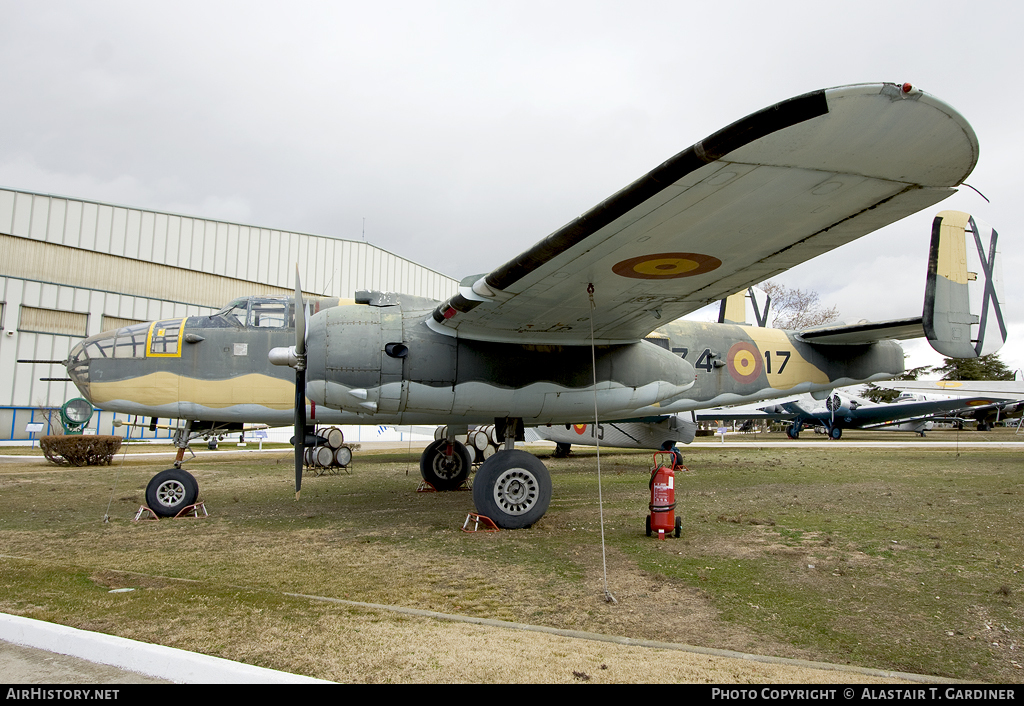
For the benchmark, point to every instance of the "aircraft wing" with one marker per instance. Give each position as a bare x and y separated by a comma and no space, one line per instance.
779,410
999,389
729,415
912,411
768,192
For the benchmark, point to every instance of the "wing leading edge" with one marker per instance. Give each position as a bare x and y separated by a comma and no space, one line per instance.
766,193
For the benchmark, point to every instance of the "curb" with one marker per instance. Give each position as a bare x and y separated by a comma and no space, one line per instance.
157,661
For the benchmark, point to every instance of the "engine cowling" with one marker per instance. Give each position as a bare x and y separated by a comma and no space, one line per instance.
379,360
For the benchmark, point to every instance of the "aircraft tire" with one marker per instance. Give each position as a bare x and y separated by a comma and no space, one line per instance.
513,488
170,491
792,433
562,450
442,473
835,433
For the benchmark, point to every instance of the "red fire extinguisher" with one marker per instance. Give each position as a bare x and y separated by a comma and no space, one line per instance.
663,497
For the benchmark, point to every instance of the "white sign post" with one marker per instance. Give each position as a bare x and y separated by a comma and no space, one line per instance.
34,428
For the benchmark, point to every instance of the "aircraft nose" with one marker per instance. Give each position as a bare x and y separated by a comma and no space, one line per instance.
78,368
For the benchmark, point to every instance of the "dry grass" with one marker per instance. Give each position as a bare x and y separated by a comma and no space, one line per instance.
900,560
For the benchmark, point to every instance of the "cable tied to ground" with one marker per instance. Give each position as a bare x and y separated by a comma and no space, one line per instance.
608,597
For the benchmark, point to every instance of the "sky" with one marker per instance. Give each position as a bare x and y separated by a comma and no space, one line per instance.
457,134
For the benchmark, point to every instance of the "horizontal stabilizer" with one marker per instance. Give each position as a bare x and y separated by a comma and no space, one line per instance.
863,332
963,301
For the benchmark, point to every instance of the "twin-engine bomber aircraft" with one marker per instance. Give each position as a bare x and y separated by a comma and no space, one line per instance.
514,346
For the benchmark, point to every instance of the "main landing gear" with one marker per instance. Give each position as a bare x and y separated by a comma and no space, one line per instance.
512,487
446,464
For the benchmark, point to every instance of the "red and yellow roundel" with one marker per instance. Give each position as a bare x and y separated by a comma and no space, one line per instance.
744,362
580,428
668,265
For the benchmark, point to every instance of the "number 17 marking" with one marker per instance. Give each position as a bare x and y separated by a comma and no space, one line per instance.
768,360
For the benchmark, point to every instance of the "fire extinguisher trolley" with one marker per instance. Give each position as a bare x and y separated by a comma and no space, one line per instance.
663,496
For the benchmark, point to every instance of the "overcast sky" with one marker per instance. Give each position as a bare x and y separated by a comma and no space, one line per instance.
463,132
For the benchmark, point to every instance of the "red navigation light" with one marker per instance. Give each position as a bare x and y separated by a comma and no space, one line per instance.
907,88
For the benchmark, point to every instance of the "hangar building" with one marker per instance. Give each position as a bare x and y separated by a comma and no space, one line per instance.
71,268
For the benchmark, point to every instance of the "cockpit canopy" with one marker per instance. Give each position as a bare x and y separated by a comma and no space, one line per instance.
260,312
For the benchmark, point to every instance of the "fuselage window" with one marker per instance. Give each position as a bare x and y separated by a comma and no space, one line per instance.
165,337
130,341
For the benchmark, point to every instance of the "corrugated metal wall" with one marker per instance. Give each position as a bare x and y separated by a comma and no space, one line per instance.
71,263
329,266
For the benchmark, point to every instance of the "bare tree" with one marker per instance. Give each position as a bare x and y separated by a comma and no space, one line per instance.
796,308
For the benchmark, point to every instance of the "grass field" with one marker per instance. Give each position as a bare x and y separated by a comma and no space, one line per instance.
899,559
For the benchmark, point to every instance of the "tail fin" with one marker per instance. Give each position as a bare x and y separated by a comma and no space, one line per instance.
735,308
963,301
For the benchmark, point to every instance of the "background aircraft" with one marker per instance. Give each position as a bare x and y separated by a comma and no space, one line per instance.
556,334
1006,397
838,411
841,411
660,433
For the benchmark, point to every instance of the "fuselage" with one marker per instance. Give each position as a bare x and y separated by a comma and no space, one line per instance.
379,363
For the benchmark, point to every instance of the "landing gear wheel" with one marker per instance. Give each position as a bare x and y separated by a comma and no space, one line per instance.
835,433
513,488
442,472
562,450
171,491
793,433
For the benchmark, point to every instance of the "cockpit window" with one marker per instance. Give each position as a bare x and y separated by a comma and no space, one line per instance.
259,312
269,313
235,312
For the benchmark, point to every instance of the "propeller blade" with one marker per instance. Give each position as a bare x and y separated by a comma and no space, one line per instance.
300,316
300,427
300,382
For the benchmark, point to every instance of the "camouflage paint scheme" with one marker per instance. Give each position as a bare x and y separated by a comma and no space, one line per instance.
224,375
964,283
768,192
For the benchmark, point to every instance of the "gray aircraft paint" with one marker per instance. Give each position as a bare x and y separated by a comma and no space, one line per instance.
351,378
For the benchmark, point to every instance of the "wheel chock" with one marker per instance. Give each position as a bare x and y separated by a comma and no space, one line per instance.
143,509
193,511
477,520
190,511
427,486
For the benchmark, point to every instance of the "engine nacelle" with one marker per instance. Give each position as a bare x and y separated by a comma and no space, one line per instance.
354,358
382,361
